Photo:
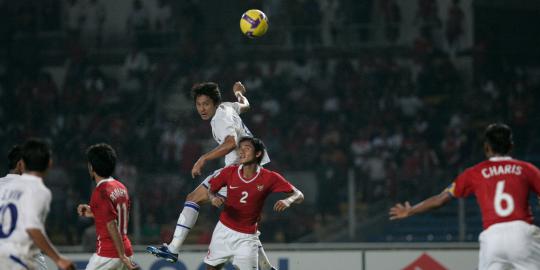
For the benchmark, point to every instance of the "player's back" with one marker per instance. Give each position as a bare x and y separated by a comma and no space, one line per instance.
24,204
110,201
502,187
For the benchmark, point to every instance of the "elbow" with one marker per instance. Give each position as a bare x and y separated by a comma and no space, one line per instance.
230,143
299,196
111,225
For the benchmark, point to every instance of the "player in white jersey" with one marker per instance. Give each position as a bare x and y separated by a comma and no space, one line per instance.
227,129
15,170
24,205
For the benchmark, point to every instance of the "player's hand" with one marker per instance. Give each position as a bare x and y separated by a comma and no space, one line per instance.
197,167
84,210
239,87
65,264
218,201
281,205
127,261
400,211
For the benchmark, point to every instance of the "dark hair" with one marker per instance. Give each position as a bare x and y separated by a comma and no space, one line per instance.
102,157
14,156
499,138
209,89
36,155
258,145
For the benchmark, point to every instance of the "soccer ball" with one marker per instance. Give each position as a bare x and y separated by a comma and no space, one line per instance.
253,23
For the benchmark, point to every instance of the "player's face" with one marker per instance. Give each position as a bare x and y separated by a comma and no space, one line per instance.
246,153
205,107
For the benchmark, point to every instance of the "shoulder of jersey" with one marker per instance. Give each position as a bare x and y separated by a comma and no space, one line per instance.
226,104
115,182
267,171
221,110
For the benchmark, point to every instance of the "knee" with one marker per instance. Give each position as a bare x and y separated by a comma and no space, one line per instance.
198,196
192,197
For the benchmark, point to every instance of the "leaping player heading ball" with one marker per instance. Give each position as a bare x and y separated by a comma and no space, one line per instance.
501,185
227,129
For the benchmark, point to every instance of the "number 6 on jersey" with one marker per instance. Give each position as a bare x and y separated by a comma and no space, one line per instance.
500,196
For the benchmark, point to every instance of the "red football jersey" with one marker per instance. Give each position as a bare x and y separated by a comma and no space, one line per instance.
245,197
110,201
501,186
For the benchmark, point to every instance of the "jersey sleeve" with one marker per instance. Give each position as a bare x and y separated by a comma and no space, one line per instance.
106,211
223,125
236,107
533,178
462,186
219,180
36,208
279,184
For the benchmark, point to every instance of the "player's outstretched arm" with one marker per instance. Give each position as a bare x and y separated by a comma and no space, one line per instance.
112,229
228,145
43,243
239,91
296,197
84,210
401,211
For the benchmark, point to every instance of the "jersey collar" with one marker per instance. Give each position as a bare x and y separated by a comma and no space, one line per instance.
31,177
242,178
500,158
104,181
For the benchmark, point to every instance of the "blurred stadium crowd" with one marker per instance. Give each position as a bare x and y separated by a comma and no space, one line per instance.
406,118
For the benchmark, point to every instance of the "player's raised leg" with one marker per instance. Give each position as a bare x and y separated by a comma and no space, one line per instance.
186,221
188,217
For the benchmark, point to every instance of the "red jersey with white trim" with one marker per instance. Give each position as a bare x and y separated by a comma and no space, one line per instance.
245,197
110,201
501,186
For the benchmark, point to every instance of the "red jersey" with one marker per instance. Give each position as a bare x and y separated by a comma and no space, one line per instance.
110,201
501,186
245,197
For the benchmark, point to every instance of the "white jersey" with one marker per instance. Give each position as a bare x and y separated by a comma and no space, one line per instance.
6,179
24,204
227,122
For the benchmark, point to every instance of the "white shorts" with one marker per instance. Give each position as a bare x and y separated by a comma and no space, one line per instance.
228,245
13,262
206,183
510,245
36,262
103,263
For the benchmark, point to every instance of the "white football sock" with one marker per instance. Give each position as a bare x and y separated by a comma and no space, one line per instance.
186,220
264,263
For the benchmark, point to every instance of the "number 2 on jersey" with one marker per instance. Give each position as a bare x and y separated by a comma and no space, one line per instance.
244,197
501,196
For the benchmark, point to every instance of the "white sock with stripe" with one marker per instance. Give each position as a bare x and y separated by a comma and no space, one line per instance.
186,220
